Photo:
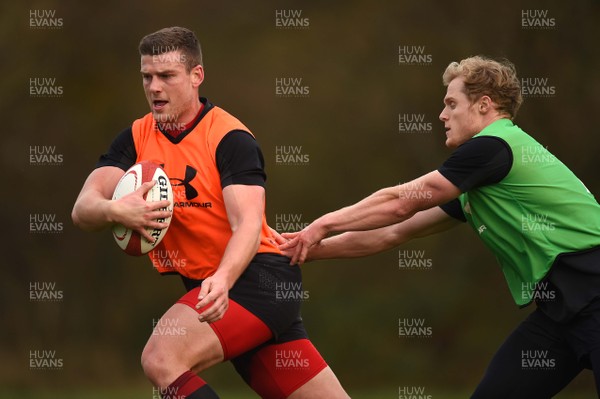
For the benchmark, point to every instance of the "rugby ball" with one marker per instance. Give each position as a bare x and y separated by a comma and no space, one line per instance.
131,241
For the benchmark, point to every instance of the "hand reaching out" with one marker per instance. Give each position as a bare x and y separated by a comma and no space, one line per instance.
298,244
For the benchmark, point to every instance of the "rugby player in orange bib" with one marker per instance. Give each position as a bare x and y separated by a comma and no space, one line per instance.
218,240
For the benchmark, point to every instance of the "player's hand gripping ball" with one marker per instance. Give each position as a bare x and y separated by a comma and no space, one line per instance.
131,241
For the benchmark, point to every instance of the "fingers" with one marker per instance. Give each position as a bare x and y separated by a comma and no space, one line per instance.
135,213
145,187
214,312
152,223
144,233
290,243
156,209
296,254
289,236
154,205
150,226
298,249
159,205
278,237
303,255
219,299
288,253
204,290
156,215
302,242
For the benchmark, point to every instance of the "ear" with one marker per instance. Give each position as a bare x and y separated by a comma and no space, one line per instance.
485,104
197,74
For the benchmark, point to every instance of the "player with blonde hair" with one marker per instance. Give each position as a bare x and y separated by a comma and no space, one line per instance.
528,208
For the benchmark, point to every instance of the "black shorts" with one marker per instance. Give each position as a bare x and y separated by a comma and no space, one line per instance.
271,289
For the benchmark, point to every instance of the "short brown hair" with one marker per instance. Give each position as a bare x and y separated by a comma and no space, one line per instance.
170,39
487,77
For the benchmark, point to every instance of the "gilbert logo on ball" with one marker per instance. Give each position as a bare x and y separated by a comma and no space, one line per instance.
131,241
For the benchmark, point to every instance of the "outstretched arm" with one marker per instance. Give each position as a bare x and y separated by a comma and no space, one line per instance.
386,207
363,243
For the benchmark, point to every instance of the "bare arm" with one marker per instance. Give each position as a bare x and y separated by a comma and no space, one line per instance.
94,208
245,209
363,243
385,207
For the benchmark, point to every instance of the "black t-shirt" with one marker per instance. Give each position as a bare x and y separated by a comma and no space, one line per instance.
239,158
478,162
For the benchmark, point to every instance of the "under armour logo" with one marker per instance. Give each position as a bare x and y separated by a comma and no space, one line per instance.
190,191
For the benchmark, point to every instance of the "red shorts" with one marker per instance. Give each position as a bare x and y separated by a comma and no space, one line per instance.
275,357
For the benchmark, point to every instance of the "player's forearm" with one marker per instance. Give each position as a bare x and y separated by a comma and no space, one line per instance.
357,244
94,209
240,250
389,206
92,212
380,209
364,243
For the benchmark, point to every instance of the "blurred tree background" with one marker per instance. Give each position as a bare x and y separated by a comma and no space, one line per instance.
347,127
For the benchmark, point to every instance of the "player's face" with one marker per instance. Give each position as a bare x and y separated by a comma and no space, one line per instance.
460,116
171,91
